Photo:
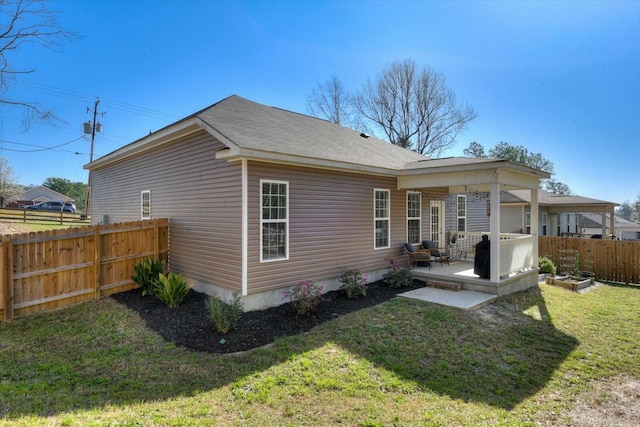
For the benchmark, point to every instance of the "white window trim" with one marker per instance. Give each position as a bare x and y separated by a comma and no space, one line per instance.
285,221
458,216
387,218
142,194
418,218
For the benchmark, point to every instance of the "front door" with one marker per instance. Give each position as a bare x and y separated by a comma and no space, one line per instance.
437,223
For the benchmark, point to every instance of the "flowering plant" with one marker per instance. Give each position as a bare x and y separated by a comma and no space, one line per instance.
354,283
398,274
304,296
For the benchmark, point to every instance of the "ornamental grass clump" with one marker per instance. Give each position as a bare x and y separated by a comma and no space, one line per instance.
354,283
224,315
304,296
546,266
171,289
147,272
398,274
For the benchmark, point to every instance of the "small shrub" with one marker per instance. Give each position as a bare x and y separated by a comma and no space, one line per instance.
398,274
147,272
305,296
354,283
171,289
224,315
546,265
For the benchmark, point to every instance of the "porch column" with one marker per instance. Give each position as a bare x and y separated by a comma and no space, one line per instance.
554,224
494,227
612,217
534,227
603,221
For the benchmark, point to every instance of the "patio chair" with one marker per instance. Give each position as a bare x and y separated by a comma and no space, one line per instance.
418,257
440,255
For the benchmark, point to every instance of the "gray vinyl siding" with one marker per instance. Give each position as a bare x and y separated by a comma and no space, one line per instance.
200,195
511,219
331,225
477,219
331,215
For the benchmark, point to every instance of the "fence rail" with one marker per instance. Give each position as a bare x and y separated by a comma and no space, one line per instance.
28,215
610,260
51,269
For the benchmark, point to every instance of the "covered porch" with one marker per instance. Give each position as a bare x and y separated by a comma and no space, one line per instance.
513,259
459,275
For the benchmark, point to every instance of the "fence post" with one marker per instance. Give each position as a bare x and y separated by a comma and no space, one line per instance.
96,261
7,277
156,241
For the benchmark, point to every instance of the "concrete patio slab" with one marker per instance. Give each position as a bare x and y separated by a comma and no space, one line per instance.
465,300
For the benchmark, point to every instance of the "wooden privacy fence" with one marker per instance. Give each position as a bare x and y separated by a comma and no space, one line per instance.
27,215
51,269
610,260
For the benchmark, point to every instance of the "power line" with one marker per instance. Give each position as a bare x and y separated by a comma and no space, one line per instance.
40,147
119,105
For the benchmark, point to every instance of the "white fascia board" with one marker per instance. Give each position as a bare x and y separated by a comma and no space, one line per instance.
232,147
232,154
459,180
423,168
149,142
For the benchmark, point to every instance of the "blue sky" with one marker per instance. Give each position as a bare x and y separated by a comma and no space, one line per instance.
559,78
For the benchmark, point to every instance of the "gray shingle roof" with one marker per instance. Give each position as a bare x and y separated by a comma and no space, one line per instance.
255,131
253,126
550,199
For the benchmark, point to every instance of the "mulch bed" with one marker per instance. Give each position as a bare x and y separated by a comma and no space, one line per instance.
189,324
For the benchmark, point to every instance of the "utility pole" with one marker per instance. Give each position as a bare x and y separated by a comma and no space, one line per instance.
92,128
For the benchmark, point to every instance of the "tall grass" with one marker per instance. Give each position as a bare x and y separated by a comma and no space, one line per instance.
522,361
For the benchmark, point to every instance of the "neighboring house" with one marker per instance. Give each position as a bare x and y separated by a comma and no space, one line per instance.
591,225
260,198
558,215
37,195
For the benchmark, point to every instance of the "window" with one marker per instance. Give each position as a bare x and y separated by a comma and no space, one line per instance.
527,223
544,223
382,218
462,213
145,203
274,221
414,213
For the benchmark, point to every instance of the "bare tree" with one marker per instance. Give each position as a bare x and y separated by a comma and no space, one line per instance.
24,22
330,100
414,108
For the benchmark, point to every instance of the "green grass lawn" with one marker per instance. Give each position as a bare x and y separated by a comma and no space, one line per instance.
528,359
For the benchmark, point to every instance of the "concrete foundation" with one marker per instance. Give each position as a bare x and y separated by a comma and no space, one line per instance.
273,298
